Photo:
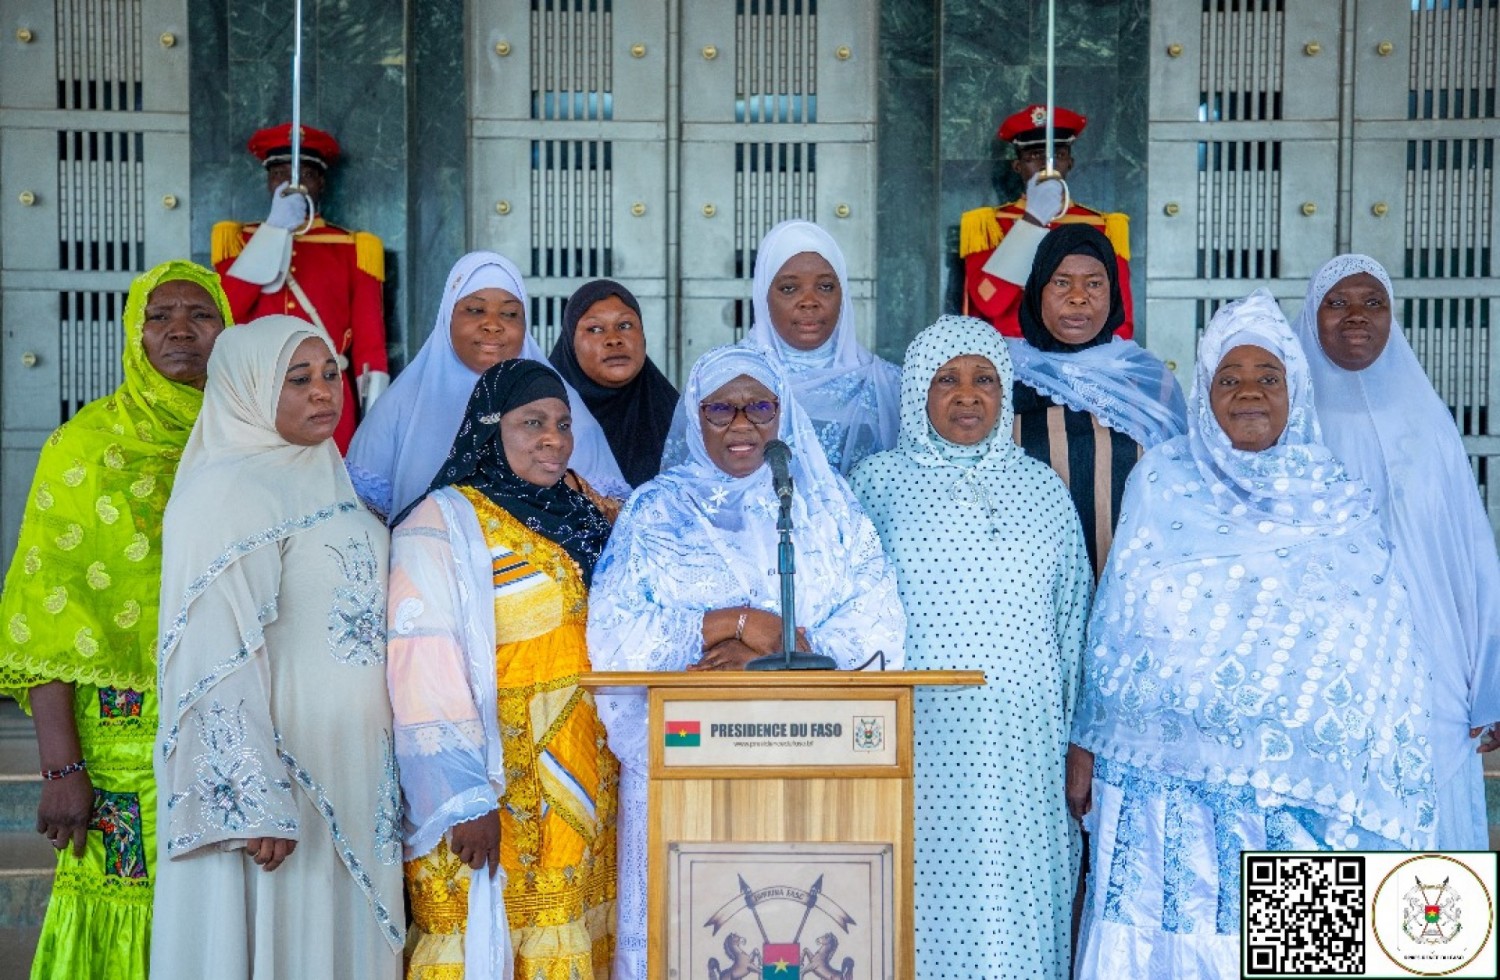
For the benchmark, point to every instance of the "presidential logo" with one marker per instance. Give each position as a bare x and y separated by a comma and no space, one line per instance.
1433,915
869,734
785,959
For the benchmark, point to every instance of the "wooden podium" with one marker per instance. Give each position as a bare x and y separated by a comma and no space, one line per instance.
780,837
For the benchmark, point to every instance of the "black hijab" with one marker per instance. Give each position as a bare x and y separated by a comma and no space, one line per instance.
477,459
636,416
1061,242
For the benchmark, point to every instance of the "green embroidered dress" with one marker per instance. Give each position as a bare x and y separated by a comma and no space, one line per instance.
79,605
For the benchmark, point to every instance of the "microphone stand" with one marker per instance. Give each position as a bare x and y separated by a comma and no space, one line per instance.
786,562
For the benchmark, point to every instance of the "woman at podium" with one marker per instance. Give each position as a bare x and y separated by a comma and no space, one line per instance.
994,576
688,580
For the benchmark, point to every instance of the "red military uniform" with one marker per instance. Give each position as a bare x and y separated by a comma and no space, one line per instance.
981,230
998,301
333,278
342,273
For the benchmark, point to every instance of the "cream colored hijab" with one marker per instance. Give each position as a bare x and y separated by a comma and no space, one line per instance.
237,429
240,488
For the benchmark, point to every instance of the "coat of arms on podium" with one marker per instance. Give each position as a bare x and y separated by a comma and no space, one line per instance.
788,911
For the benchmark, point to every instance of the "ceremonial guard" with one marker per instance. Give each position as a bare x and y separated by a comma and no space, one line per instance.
296,263
994,280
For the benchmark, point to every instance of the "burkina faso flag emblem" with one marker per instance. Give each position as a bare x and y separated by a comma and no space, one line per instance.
683,734
781,961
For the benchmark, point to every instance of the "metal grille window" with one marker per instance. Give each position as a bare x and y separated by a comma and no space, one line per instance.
570,223
1241,71
572,73
776,181
1454,66
101,227
1451,337
92,343
1450,204
776,43
1239,193
98,45
545,317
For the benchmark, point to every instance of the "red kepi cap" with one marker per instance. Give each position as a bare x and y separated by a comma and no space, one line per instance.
273,145
1029,126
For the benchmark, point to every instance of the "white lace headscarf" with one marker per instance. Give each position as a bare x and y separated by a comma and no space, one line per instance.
1248,628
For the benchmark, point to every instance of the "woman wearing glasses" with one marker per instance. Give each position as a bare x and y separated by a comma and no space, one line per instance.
688,580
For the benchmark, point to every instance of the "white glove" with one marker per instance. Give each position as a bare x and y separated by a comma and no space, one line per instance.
288,211
1044,199
371,385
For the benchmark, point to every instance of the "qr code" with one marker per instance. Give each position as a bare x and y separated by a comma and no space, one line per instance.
1304,915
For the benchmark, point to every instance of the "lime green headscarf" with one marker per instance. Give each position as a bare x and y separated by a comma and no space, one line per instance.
80,599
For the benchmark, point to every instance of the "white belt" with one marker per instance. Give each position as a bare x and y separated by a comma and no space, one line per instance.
312,311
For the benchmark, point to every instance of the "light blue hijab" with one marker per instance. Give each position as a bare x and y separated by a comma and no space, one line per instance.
1392,430
400,446
735,505
1248,629
1123,385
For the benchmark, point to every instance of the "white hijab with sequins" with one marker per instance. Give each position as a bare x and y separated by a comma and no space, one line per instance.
1248,627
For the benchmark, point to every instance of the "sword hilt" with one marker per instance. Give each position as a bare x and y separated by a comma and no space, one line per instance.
312,207
1051,173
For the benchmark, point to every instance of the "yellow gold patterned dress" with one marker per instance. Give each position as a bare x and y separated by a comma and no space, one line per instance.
557,813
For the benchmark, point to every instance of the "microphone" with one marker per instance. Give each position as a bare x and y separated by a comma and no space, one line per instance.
779,455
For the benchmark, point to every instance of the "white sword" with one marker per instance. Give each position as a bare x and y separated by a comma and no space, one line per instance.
1051,172
296,186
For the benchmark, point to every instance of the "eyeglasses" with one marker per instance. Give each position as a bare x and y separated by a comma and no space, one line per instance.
721,415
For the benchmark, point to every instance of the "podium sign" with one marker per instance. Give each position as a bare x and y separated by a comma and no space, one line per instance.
780,821
794,730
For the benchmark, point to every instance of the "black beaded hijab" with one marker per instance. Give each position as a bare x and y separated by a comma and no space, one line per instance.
1061,242
559,513
636,416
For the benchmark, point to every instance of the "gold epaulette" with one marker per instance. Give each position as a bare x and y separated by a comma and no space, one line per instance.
369,255
227,242
978,231
1117,230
